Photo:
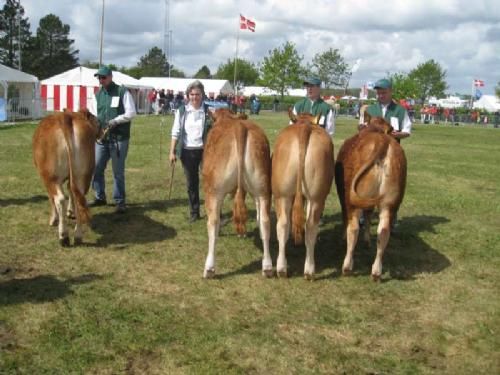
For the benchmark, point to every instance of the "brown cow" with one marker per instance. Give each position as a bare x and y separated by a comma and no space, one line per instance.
370,172
236,160
302,166
63,150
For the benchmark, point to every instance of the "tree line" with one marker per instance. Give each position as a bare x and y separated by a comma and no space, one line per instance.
51,51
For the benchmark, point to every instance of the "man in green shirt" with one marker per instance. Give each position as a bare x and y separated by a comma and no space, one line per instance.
114,107
314,105
391,111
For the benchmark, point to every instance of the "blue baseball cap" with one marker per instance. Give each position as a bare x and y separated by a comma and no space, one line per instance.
103,71
315,81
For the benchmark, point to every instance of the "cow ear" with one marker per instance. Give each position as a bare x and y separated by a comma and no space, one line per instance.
291,115
367,118
66,110
316,119
212,114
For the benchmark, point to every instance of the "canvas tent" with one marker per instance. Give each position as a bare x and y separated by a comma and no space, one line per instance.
212,86
18,94
488,102
74,88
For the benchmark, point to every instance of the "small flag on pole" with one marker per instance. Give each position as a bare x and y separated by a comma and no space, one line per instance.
478,83
247,24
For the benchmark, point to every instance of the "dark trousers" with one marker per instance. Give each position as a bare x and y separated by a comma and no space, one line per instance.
191,160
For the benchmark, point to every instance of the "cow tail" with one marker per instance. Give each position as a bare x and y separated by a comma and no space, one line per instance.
82,212
377,154
298,219
239,207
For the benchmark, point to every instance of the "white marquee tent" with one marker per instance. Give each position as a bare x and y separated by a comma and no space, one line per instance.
265,91
73,88
488,102
18,94
215,86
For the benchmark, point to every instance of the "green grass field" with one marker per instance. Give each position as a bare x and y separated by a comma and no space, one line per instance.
132,300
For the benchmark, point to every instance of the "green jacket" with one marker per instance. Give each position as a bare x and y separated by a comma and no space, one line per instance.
393,110
105,112
319,107
182,118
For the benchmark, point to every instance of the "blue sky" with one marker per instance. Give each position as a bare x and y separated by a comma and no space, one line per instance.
389,36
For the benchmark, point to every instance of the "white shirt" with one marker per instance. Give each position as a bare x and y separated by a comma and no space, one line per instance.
405,127
329,124
194,122
128,106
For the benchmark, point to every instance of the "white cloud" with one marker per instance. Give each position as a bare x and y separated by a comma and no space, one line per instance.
389,36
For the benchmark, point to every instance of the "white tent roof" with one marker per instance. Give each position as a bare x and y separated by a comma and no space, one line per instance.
488,102
14,75
81,76
180,84
265,91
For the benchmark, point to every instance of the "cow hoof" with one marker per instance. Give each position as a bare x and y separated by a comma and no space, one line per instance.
309,276
71,216
209,274
346,272
64,242
78,241
376,278
242,235
282,274
268,273
53,223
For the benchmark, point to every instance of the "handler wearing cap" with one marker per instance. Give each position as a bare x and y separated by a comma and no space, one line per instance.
114,107
314,105
391,111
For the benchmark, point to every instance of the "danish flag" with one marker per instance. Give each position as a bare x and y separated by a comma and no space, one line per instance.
247,24
478,83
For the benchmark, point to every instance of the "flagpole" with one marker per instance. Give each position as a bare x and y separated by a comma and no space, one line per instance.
236,56
102,35
472,95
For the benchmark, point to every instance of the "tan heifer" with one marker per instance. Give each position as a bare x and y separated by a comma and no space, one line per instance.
63,150
236,160
302,167
370,172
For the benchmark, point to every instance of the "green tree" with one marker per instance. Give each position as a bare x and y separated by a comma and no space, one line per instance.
430,79
14,33
247,73
282,69
330,67
53,49
153,64
403,86
203,73
176,73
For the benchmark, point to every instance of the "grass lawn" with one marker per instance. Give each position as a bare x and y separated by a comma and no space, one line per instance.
132,300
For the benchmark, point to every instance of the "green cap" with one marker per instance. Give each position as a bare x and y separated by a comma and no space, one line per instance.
383,83
312,81
103,71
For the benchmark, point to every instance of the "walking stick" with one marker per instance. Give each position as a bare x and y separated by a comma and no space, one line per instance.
171,181
161,133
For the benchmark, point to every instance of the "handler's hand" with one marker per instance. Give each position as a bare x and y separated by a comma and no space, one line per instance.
172,158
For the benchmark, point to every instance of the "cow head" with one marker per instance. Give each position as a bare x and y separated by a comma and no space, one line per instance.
303,117
379,125
221,113
92,121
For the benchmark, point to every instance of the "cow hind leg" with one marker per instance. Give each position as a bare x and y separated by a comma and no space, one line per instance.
213,206
283,208
352,232
54,218
60,203
383,234
311,234
264,208
81,212
71,204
